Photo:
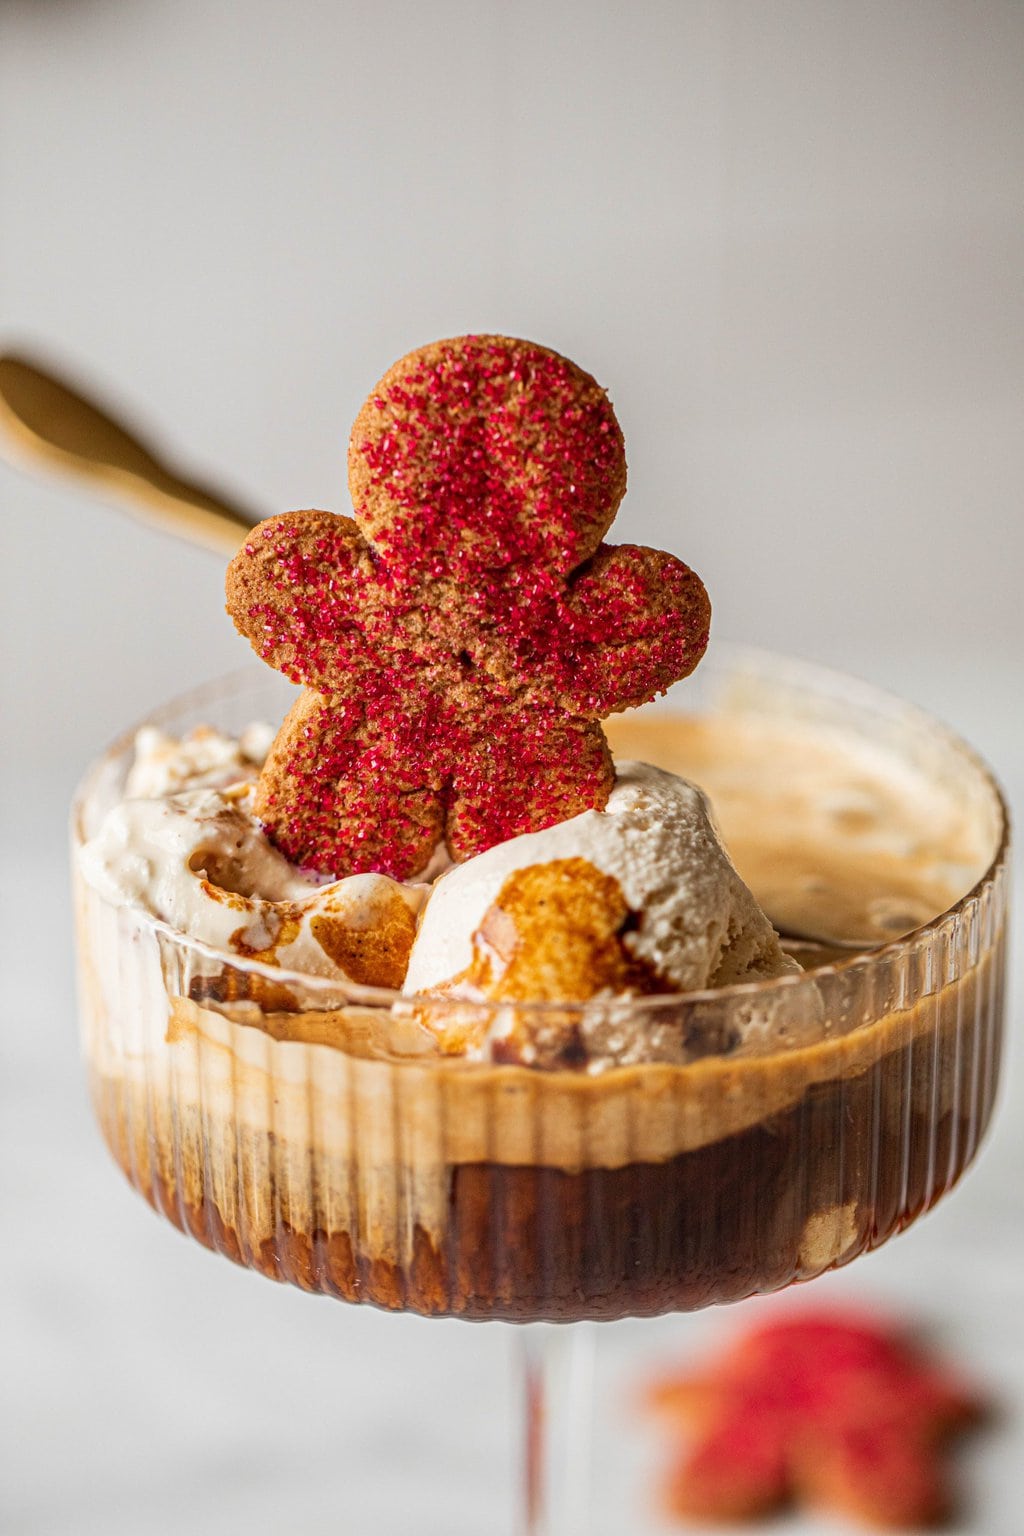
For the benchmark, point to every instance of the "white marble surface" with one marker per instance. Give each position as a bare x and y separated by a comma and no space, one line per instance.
790,238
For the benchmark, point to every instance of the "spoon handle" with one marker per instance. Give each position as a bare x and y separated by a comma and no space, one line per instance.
45,423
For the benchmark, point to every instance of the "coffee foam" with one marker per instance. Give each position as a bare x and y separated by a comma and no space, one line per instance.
832,833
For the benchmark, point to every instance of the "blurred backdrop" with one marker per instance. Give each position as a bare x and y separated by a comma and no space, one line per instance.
789,238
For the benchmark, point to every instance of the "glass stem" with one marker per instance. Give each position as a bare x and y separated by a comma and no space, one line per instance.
556,1384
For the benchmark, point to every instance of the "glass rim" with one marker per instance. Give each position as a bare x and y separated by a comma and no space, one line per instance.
386,998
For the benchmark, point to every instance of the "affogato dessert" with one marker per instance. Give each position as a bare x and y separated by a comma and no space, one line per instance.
442,1001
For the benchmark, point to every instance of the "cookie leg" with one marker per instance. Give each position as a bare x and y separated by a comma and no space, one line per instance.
733,1470
336,797
887,1474
526,779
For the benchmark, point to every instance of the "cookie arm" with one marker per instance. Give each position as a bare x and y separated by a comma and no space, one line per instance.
634,620
293,590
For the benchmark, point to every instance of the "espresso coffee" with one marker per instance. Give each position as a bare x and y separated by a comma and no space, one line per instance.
314,1144
833,835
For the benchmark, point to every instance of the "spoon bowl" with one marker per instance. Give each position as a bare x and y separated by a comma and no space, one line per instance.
47,422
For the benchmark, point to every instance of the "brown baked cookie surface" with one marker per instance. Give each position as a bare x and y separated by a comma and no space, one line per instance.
460,638
485,451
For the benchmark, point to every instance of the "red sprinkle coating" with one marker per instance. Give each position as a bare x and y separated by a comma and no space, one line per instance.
828,1409
484,453
460,638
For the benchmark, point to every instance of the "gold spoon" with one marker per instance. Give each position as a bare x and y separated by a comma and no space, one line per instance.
798,941
46,423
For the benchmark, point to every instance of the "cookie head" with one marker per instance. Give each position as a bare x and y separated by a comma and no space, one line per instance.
485,452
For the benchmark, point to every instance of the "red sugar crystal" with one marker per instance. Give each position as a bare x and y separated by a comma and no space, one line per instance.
465,630
828,1409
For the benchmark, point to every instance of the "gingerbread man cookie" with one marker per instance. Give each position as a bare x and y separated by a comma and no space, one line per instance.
824,1409
461,637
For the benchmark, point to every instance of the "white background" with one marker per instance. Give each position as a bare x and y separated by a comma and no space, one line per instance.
789,237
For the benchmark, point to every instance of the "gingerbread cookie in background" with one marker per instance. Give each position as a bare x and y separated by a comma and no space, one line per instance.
462,636
827,1409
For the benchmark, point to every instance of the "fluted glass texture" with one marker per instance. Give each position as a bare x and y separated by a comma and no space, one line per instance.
298,1127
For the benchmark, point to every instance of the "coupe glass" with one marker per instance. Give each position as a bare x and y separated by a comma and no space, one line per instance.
300,1126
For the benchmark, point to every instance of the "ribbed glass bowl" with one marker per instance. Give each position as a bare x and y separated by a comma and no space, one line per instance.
297,1126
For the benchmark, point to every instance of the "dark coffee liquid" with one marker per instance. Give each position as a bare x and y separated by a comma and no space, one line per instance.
852,1161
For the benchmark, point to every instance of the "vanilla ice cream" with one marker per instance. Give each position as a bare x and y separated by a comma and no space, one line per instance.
686,918
204,758
198,860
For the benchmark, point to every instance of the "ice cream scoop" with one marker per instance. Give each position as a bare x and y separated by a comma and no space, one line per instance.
639,897
185,847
